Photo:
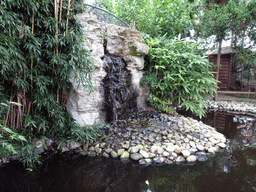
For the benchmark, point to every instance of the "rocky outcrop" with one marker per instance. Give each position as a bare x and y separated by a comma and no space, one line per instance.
86,107
126,43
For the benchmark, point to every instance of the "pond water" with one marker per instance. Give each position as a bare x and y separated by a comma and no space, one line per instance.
234,169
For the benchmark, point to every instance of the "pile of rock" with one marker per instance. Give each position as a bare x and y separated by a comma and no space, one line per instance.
232,106
152,139
167,139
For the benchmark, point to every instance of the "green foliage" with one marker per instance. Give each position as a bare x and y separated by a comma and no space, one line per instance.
215,21
178,73
155,18
86,134
39,53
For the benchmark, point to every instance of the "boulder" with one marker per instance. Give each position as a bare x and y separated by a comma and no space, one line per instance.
125,41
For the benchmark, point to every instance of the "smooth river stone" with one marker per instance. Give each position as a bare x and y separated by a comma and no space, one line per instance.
125,155
126,145
165,154
144,154
191,159
180,159
200,147
113,154
151,155
135,149
150,138
136,156
177,149
108,150
222,145
159,160
212,150
148,160
211,139
185,153
120,152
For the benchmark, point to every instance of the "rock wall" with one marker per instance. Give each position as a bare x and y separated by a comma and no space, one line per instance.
85,107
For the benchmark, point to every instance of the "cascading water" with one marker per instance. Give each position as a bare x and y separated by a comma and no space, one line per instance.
119,95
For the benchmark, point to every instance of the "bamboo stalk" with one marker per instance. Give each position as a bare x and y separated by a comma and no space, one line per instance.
57,4
32,31
60,11
67,16
19,115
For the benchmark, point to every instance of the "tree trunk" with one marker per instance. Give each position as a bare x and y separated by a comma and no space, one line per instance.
218,68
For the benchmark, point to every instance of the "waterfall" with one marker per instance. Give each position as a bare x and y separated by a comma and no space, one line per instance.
120,98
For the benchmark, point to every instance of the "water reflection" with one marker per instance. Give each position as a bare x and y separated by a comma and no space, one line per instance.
234,169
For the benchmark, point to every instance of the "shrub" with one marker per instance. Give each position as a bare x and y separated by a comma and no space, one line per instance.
177,72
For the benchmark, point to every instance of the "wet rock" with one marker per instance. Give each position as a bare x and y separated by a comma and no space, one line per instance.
92,148
185,153
125,155
64,149
108,150
5,160
157,130
164,132
148,160
84,153
222,145
168,161
193,150
142,162
144,154
114,154
202,158
136,156
105,155
165,154
177,149
151,155
212,150
92,154
126,145
158,160
200,147
180,159
211,139
120,152
191,159
135,149
102,145
151,139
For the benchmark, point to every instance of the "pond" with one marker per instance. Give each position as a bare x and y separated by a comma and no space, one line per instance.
234,169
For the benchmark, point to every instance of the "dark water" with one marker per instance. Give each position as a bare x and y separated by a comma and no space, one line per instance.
234,169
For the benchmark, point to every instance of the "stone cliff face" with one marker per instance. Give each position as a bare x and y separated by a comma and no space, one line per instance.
121,42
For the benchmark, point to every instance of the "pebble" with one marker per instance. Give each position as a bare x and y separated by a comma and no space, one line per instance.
191,159
167,139
185,153
114,154
180,159
125,155
144,154
136,156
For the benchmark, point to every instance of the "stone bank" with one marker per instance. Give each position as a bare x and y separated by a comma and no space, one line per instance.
165,139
